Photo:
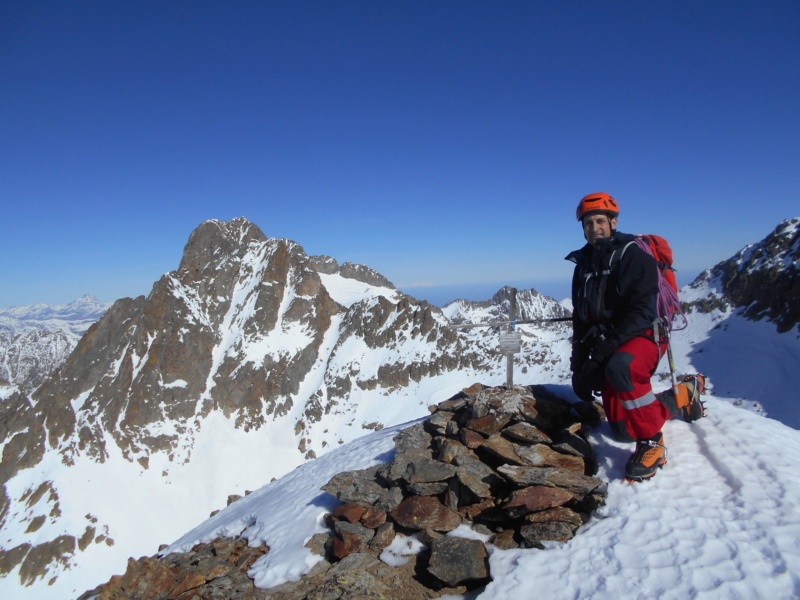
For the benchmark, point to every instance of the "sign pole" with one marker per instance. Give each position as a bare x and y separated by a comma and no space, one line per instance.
510,342
512,316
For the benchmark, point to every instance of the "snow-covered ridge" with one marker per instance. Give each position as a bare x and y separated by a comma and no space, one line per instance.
760,280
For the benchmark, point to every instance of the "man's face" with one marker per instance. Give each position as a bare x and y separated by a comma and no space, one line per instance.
598,226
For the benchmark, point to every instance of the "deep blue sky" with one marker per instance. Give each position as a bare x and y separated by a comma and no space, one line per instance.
438,142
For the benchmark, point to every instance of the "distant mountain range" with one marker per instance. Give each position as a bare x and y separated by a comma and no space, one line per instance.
249,359
35,340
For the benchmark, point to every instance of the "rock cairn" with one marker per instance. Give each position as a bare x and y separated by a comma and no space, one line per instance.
514,464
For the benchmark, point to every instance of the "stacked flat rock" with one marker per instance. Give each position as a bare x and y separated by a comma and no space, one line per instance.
514,464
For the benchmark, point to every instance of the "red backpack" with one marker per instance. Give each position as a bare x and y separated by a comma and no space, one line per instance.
667,303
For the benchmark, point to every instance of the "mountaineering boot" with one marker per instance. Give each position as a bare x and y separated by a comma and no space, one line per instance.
687,397
649,456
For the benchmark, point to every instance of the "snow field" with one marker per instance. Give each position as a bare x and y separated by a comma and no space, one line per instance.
718,521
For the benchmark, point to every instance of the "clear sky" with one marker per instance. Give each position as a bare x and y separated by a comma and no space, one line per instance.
439,142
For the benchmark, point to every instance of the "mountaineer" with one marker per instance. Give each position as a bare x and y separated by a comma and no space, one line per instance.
618,337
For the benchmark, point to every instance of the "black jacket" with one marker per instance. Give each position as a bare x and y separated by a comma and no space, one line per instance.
614,290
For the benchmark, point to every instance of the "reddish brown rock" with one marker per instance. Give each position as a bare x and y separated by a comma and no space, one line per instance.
471,439
541,455
525,432
503,449
491,423
373,517
473,511
425,512
384,535
350,538
558,514
449,449
527,410
535,498
580,485
474,389
189,580
504,540
349,512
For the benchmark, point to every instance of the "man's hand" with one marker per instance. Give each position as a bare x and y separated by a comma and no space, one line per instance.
587,380
591,376
581,391
590,413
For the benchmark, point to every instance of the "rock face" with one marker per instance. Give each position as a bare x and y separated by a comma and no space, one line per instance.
423,492
763,279
213,571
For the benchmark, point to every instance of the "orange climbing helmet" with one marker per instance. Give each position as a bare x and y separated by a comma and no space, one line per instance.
600,202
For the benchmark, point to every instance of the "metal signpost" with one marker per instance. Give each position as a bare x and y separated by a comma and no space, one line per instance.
510,337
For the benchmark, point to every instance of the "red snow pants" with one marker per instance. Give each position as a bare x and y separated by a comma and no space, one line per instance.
633,410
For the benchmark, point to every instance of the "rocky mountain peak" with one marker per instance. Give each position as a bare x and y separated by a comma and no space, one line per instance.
530,305
213,241
762,279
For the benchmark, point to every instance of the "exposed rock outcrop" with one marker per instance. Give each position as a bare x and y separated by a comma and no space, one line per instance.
213,571
762,279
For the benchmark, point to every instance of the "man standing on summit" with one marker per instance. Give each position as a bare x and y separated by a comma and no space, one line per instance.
615,350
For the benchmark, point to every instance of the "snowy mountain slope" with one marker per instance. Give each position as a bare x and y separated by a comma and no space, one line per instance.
166,396
746,361
719,521
698,455
762,279
732,309
36,339
247,350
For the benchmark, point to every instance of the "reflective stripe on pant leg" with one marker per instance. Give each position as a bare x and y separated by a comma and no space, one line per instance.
648,398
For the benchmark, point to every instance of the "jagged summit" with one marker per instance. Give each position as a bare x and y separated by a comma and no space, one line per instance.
215,239
530,305
326,265
762,279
